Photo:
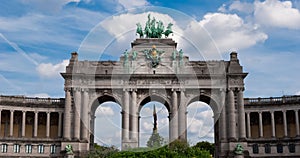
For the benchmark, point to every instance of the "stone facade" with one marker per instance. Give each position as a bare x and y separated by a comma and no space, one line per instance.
153,70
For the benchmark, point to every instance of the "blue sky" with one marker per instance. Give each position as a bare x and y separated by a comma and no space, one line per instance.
37,37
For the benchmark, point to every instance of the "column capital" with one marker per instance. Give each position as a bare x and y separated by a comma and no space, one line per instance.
36,112
283,110
126,89
230,89
67,89
296,110
48,112
134,89
24,111
85,89
222,90
240,89
174,89
77,89
12,110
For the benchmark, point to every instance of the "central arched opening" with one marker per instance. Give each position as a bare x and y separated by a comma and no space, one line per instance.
105,122
153,121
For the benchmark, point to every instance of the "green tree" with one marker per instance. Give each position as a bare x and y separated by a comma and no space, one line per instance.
206,146
155,141
102,151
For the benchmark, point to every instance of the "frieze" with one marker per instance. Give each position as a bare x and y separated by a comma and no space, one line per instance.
236,81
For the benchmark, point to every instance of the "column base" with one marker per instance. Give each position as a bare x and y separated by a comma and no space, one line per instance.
129,144
242,139
232,139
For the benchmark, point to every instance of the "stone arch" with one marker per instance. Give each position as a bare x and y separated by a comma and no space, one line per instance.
208,99
94,104
154,97
96,101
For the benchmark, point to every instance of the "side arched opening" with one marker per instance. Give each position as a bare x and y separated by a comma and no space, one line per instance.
105,122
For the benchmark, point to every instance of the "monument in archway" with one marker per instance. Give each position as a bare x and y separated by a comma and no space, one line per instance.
155,70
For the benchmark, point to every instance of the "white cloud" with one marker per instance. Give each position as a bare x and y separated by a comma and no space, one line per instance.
147,127
229,32
104,111
39,95
119,25
49,6
133,3
242,7
277,14
215,33
50,70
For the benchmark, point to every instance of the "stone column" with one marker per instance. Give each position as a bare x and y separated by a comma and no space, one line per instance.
125,130
48,125
35,128
59,124
231,115
23,123
222,126
222,120
297,123
134,120
67,115
248,125
11,123
182,117
0,121
174,117
77,111
284,123
273,124
261,132
84,107
241,115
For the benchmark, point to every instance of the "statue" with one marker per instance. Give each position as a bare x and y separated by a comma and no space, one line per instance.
126,56
180,54
239,149
153,29
69,149
169,30
160,29
139,30
134,55
174,54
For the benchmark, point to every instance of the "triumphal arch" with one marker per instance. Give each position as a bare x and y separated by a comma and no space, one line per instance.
154,69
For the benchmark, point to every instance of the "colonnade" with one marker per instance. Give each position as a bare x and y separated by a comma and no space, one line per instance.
35,125
273,123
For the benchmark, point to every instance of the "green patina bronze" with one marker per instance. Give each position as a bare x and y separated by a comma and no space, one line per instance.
154,55
69,149
153,29
239,149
